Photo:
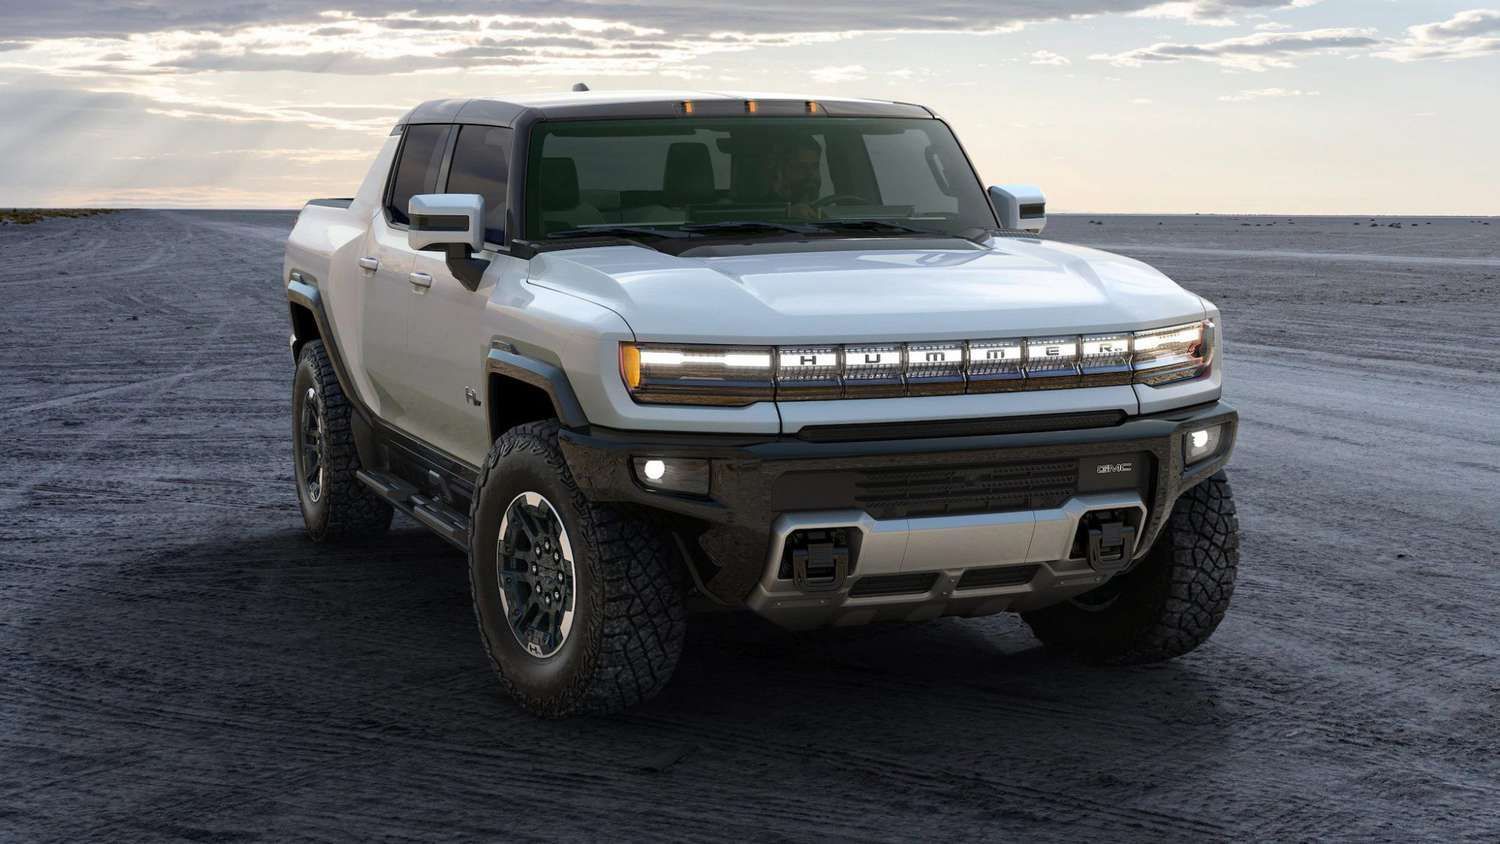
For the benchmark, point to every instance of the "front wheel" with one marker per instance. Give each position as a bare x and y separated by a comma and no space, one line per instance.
579,604
1173,599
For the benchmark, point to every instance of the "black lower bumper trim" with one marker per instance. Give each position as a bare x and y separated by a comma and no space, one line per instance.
997,576
753,480
918,583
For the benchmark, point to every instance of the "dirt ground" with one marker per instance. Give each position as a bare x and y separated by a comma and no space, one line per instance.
178,662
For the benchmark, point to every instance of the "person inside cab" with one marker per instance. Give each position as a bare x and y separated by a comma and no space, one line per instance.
794,175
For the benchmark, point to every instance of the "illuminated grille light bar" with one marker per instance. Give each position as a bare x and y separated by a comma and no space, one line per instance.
1104,359
872,371
809,372
995,365
740,375
1052,361
934,369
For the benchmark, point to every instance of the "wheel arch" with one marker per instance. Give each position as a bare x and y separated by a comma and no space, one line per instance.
310,322
304,327
521,389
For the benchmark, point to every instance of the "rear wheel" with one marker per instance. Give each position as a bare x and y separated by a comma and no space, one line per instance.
579,604
1173,599
335,505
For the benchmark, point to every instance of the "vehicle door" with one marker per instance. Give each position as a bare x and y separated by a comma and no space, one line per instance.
386,267
451,327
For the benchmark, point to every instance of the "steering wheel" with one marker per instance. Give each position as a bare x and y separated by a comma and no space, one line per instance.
840,199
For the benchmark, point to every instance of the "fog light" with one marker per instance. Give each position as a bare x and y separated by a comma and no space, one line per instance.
1201,444
672,474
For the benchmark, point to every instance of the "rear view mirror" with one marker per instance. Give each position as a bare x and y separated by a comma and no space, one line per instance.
451,223
440,220
1020,207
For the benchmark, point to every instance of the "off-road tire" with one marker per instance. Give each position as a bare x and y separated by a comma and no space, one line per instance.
1170,603
629,622
346,509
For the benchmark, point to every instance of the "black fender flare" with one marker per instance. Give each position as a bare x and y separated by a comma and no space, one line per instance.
505,360
302,291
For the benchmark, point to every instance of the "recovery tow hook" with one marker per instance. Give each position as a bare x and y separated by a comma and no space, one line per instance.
820,559
1110,541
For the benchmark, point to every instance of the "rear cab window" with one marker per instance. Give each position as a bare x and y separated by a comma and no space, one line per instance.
416,168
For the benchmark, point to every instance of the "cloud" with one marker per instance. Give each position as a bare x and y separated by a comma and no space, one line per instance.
200,155
596,38
842,73
1466,35
1266,93
355,45
1256,52
1211,12
121,18
1462,25
1050,58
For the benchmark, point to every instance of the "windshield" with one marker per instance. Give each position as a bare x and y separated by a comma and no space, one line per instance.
727,174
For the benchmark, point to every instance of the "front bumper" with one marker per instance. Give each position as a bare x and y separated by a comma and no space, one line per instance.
933,514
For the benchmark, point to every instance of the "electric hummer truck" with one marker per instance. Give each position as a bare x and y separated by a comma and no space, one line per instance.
641,353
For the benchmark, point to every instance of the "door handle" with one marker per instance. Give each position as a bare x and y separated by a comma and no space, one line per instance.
371,264
422,280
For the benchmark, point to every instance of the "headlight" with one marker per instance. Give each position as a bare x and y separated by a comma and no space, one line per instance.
664,373
671,374
1174,353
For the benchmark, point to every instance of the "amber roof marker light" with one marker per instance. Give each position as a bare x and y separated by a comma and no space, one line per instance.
751,106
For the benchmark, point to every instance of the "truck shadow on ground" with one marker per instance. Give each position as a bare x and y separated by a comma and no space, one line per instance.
260,641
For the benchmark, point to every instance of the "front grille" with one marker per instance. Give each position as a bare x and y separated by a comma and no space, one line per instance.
903,492
997,576
918,583
866,431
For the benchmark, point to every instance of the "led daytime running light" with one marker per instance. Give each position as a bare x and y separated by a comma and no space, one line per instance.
665,373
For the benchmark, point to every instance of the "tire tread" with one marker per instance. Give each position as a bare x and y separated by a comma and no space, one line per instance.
1174,605
644,622
355,512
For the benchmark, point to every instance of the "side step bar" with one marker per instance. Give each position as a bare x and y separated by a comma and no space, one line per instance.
442,519
445,521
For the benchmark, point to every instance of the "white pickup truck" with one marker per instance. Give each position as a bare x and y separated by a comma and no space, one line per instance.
637,353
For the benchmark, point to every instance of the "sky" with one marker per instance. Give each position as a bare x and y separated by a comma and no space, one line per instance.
1235,106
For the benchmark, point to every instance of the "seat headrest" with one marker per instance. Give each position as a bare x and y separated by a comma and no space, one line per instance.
559,186
689,177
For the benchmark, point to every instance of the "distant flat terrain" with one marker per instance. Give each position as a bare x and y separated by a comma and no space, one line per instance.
178,662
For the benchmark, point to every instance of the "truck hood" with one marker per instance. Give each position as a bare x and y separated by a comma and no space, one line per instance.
869,290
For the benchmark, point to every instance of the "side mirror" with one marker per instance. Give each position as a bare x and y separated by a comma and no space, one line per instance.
1021,207
451,223
439,220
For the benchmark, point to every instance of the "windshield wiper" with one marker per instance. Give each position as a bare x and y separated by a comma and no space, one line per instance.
626,232
871,226
746,226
